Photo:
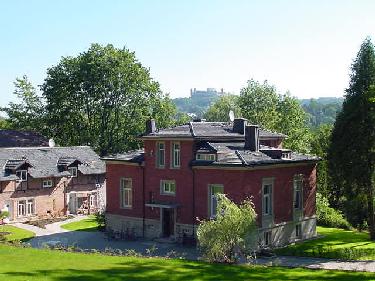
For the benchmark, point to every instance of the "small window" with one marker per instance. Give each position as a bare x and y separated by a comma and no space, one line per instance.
286,155
298,231
267,198
298,192
73,172
214,189
267,236
168,187
126,193
47,183
176,155
206,157
22,174
160,154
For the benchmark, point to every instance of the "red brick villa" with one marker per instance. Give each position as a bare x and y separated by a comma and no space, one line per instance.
161,190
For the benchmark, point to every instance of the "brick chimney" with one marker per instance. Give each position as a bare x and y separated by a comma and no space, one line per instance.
252,137
239,125
150,126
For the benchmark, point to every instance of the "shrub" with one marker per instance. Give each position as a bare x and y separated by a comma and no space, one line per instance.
327,216
233,232
100,219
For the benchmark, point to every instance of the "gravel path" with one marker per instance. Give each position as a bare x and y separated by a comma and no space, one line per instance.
54,234
50,229
317,263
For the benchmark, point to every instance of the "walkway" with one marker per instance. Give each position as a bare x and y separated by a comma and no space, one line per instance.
50,229
54,234
317,263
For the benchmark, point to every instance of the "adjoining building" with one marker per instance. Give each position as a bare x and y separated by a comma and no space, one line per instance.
161,190
39,182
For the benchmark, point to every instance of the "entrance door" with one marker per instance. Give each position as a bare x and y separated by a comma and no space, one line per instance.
168,222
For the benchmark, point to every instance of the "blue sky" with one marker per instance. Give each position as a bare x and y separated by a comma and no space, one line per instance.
302,46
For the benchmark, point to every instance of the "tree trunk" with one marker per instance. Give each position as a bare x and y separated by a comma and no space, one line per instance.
370,210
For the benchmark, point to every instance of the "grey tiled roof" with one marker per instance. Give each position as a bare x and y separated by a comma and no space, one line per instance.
230,154
13,138
208,130
43,160
134,156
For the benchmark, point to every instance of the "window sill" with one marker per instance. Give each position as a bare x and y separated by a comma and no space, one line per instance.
126,207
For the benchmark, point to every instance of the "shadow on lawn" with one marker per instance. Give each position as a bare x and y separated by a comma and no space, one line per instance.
158,270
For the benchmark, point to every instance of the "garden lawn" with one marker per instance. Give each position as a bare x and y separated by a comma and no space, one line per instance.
88,224
335,243
33,264
16,234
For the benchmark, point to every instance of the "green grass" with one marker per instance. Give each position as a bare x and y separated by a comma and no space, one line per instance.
16,234
33,264
88,224
335,243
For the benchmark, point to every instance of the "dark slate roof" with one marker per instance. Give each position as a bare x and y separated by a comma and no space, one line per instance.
13,164
67,161
134,156
43,160
13,138
208,130
234,154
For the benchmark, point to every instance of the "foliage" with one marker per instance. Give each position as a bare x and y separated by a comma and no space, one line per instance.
100,219
196,104
219,110
103,97
89,224
258,103
321,111
292,122
352,150
56,265
262,105
4,214
320,142
334,243
232,232
28,114
327,216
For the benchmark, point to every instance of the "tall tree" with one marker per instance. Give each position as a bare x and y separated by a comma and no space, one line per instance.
292,122
103,97
258,103
219,110
262,105
352,150
28,113
320,143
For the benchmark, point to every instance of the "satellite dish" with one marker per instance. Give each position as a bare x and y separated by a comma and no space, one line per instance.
231,115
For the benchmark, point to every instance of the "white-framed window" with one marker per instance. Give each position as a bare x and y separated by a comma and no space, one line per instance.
47,183
206,157
160,156
73,171
298,231
168,187
25,208
22,174
267,238
213,190
126,193
176,155
298,192
286,155
267,197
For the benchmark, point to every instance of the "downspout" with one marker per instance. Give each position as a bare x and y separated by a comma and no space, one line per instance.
143,203
193,202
